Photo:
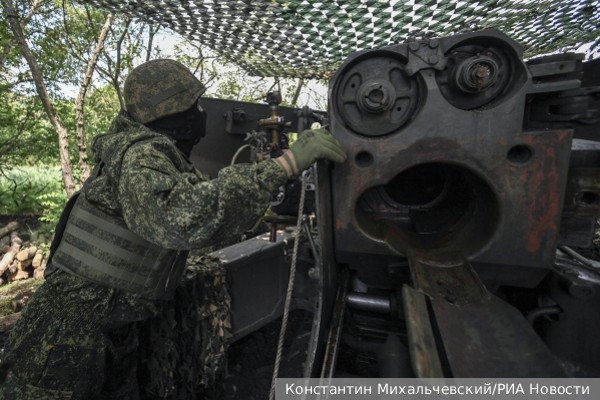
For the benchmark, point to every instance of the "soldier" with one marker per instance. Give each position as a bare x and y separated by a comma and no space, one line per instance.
96,327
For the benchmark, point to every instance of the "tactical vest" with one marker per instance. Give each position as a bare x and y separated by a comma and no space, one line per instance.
99,247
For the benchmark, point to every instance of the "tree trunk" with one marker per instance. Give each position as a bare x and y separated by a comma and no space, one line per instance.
63,135
35,5
79,105
151,33
117,74
297,93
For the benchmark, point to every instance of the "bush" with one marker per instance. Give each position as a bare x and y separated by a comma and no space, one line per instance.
32,190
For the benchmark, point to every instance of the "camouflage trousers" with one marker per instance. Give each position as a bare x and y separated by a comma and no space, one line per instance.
79,340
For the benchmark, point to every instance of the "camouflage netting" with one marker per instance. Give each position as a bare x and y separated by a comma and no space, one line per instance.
310,38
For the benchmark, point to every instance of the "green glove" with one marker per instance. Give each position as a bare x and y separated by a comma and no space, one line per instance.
312,145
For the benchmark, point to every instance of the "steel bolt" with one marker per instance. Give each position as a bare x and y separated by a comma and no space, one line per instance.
434,43
414,46
581,290
481,72
432,59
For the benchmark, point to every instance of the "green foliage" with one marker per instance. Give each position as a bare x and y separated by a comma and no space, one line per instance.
226,81
101,106
52,204
32,190
62,36
26,135
28,138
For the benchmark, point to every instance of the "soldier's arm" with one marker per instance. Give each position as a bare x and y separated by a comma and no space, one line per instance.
181,211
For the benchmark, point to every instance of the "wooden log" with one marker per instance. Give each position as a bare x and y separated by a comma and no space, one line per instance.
13,267
10,227
38,273
23,265
15,246
26,254
37,259
20,275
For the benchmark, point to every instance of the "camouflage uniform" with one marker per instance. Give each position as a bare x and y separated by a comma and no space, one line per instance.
78,339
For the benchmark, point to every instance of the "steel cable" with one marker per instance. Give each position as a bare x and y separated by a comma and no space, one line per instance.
290,288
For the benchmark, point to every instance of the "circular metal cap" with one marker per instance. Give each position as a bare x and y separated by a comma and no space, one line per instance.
374,96
476,74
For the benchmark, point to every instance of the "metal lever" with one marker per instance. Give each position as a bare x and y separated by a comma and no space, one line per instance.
452,317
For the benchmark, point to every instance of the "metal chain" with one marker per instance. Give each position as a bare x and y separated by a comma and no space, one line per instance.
290,288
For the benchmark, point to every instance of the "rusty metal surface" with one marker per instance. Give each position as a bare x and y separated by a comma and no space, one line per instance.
582,195
424,355
507,185
479,334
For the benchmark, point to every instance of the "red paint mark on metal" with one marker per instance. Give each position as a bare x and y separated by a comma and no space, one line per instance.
542,187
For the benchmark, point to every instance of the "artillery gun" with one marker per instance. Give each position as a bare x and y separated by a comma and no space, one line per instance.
450,243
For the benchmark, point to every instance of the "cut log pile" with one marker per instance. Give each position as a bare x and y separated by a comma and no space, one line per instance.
18,259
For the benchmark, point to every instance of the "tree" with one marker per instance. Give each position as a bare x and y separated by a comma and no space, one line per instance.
15,23
72,46
226,81
64,38
79,104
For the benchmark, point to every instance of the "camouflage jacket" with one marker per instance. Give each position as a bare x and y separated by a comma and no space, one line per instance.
165,200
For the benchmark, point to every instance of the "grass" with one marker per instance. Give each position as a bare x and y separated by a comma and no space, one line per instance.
12,291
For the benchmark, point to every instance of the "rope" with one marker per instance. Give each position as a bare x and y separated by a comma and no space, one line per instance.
290,289
237,153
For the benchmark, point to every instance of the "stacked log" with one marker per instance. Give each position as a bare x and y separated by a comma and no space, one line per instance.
19,260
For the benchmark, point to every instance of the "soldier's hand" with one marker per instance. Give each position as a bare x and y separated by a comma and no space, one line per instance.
312,145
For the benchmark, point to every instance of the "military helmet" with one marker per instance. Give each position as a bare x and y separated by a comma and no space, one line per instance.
159,88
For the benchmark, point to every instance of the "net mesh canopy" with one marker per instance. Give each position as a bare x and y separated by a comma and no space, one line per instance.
310,38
